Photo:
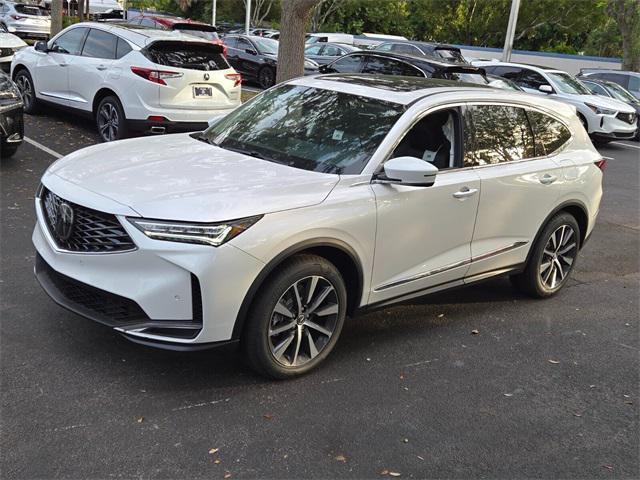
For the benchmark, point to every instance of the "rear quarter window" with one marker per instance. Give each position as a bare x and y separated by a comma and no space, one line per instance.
550,134
192,56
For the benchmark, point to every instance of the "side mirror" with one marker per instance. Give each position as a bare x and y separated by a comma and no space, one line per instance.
545,88
410,171
251,52
41,47
324,69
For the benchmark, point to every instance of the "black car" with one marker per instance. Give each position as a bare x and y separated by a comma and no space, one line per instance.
326,52
384,63
256,58
422,49
609,89
11,124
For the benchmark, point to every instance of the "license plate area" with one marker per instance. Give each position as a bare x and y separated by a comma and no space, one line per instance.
202,92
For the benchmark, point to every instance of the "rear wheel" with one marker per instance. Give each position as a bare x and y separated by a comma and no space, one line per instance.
266,77
552,258
110,120
7,150
296,319
25,85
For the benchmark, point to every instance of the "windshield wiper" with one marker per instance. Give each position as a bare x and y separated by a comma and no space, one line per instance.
251,153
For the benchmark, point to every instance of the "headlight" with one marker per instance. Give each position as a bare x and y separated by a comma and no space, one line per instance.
600,110
214,234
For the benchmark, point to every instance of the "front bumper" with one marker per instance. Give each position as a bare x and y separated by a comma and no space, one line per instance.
12,125
612,127
165,294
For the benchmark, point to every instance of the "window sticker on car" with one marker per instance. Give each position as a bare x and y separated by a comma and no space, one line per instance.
337,134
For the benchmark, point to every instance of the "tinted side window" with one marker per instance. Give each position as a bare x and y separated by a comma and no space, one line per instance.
500,134
332,51
622,80
348,64
531,79
147,22
100,44
244,45
123,48
70,42
385,47
406,48
512,73
548,131
595,88
634,84
231,42
313,50
388,66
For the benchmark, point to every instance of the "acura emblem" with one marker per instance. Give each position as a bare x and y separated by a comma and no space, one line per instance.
64,221
206,76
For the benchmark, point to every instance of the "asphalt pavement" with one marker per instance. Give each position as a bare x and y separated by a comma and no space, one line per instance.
545,389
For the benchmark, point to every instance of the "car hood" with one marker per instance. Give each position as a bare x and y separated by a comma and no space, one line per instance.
9,40
600,101
176,177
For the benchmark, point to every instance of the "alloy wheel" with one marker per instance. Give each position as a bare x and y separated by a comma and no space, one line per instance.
24,85
108,122
558,257
267,78
303,321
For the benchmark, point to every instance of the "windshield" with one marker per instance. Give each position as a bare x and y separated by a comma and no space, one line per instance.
266,45
211,36
308,128
466,77
565,83
620,93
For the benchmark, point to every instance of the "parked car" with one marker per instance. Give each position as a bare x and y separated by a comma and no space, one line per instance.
605,119
11,123
627,80
343,38
128,79
613,90
385,63
428,49
256,58
9,45
320,198
187,26
323,53
97,8
25,21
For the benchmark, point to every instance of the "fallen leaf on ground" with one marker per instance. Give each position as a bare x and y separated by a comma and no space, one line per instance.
441,315
508,394
213,450
421,458
474,332
217,461
341,458
267,416
394,474
384,472
628,402
140,420
227,475
405,440
553,361
577,414
608,467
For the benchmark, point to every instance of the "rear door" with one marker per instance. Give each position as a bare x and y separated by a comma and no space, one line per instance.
203,79
88,72
520,185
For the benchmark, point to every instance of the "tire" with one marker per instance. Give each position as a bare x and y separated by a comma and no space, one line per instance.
7,151
540,277
25,84
267,77
280,340
584,123
110,120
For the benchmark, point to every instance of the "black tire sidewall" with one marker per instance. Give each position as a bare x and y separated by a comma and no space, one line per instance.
6,150
530,280
255,335
122,130
33,106
264,70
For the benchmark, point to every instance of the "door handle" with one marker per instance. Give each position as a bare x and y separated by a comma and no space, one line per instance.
548,179
101,67
465,192
63,64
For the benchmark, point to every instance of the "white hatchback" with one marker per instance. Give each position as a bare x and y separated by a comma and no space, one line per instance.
129,79
320,198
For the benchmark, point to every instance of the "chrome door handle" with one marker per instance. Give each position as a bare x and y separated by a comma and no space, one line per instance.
63,64
101,67
548,179
465,192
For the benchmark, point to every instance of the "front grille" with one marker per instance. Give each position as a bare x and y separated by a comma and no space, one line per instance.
630,118
79,229
92,302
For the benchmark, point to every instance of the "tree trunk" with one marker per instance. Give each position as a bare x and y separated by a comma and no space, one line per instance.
626,13
81,10
293,24
56,16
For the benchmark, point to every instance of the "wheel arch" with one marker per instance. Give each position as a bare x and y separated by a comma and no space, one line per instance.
100,94
575,208
342,255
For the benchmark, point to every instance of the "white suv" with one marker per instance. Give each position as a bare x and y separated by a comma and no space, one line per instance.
129,78
317,199
605,119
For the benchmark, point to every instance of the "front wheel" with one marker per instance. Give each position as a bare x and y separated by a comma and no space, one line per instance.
296,319
110,120
25,85
266,77
552,258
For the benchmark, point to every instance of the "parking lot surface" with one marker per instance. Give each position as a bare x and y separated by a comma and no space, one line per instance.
543,389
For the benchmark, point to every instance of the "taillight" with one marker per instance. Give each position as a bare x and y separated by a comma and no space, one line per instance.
155,76
601,163
234,76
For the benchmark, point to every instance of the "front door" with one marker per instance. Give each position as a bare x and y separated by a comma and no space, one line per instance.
423,239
